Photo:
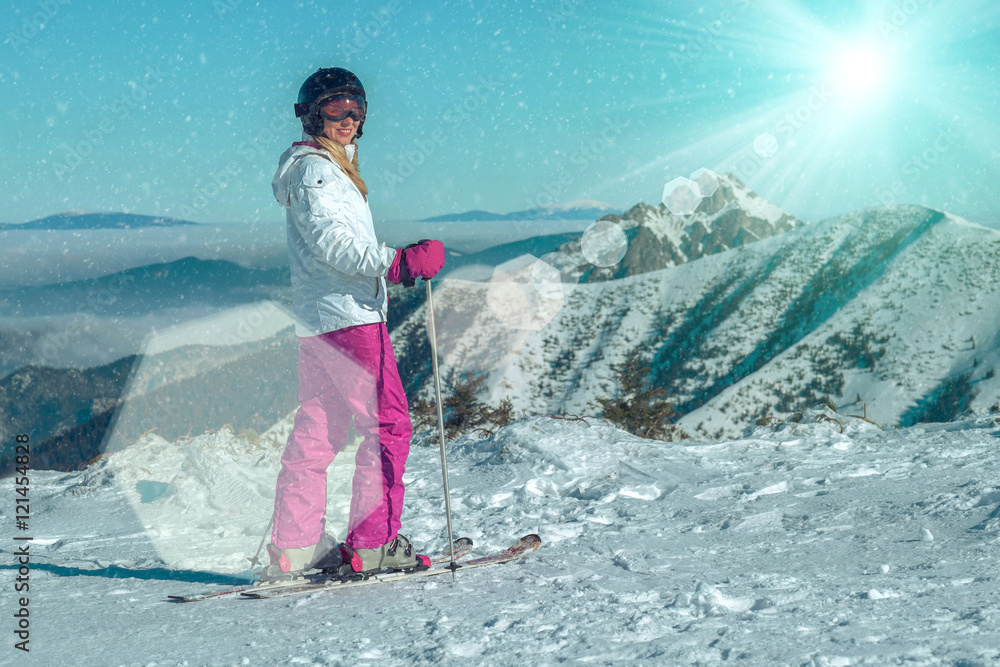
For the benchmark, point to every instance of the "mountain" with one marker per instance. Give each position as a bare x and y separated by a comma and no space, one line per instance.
890,313
89,323
480,265
74,220
729,216
203,342
475,215
581,209
236,368
152,288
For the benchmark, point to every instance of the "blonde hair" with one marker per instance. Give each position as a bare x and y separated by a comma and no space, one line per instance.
349,167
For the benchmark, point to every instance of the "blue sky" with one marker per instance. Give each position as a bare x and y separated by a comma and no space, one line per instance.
182,109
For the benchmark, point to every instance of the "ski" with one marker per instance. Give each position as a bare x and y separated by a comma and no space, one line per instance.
525,545
463,546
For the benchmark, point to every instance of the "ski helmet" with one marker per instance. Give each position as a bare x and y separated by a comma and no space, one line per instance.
323,83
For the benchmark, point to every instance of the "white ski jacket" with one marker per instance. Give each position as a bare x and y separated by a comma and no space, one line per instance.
338,266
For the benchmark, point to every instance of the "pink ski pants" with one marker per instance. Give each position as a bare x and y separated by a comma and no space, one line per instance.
345,373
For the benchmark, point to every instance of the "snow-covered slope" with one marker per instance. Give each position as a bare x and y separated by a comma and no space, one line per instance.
827,542
895,311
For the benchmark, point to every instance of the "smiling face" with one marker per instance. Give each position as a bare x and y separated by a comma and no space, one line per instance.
341,131
342,115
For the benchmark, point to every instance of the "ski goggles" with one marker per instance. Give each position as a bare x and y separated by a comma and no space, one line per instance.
339,107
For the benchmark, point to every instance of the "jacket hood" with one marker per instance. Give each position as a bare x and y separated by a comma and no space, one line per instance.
281,184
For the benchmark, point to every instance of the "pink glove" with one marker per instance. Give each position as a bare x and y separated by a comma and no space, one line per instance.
424,259
417,260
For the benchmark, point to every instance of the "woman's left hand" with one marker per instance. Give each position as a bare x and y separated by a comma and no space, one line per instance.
417,260
424,259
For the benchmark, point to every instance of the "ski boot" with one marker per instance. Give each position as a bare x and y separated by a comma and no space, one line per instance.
289,564
396,556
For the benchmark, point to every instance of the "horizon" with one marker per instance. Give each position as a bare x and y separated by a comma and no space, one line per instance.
991,219
575,204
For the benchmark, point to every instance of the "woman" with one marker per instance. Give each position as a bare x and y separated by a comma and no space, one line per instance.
346,364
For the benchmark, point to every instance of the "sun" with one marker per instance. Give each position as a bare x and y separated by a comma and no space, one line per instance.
857,71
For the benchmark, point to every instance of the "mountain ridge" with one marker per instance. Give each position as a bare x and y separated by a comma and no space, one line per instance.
730,215
78,220
580,209
890,312
151,287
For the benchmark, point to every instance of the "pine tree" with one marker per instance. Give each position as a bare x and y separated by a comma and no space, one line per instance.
640,408
462,410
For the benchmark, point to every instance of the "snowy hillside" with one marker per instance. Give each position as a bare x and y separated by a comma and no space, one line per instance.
828,542
895,311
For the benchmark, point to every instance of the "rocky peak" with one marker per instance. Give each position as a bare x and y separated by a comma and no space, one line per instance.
728,215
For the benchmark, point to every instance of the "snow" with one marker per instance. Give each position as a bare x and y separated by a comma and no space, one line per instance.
830,541
757,207
824,542
670,227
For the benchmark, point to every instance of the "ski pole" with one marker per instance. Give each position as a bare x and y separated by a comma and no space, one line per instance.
255,561
440,414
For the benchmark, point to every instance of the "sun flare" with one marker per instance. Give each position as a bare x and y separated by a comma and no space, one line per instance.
859,70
